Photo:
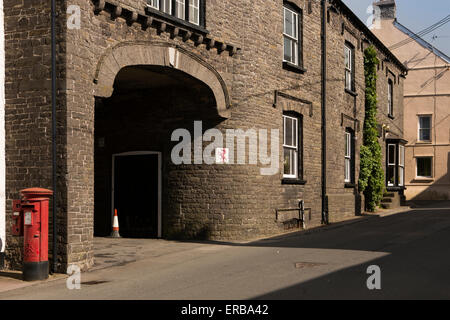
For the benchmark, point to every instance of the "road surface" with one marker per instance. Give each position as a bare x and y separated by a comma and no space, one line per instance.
412,250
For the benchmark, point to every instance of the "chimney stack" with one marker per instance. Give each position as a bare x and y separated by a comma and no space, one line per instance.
387,9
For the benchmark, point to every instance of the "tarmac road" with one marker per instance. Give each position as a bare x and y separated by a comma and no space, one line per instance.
411,248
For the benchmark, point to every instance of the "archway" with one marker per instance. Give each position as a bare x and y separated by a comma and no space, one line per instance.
162,55
133,127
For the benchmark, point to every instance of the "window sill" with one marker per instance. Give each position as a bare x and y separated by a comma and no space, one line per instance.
293,67
176,21
424,142
292,181
349,185
351,92
424,179
392,188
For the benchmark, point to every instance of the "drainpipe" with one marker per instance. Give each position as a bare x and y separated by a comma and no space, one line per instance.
53,48
324,109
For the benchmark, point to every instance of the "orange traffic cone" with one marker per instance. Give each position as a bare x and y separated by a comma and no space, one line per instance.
115,230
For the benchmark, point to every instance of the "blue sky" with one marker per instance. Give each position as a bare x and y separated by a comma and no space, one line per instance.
415,15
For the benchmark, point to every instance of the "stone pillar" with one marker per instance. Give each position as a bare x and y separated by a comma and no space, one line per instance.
2,139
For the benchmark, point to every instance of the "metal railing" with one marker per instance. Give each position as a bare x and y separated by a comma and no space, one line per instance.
301,209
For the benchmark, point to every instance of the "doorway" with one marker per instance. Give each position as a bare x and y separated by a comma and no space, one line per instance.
136,193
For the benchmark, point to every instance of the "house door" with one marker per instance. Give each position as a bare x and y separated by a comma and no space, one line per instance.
137,193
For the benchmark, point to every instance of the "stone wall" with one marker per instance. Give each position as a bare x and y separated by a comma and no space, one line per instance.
246,201
2,139
28,110
346,110
230,202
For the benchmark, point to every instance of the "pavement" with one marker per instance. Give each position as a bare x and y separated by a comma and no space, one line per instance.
12,280
410,247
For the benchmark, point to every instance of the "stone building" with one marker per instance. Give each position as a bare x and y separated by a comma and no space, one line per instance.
135,76
2,137
427,101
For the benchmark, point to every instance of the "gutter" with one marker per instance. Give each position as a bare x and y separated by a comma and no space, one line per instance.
421,41
325,219
54,187
370,36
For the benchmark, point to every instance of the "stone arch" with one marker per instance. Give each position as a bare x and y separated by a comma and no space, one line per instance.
160,54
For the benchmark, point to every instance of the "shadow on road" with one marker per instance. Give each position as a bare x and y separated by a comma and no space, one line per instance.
411,248
11,275
373,234
416,264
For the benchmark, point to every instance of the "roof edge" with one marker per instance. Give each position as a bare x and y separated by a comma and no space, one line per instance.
369,34
421,41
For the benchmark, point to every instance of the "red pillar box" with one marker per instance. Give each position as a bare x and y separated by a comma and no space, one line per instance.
35,219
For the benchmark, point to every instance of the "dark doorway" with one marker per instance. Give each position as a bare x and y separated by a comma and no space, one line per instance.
136,194
148,104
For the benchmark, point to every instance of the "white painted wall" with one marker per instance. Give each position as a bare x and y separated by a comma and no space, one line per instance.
2,130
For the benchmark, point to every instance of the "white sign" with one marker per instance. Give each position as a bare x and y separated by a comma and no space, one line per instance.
222,156
28,218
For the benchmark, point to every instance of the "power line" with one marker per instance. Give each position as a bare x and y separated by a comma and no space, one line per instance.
439,37
421,33
425,31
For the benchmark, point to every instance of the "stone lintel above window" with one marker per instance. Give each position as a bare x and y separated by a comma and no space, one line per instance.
291,103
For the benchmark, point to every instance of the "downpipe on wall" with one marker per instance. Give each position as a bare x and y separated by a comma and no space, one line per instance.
324,4
53,48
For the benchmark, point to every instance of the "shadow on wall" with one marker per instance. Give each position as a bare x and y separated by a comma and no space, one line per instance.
200,234
438,189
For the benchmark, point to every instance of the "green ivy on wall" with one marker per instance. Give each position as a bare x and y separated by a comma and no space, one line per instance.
371,180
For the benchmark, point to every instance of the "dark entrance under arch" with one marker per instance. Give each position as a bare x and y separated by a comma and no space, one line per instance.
133,169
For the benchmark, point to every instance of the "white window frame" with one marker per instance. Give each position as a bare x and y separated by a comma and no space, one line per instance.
391,164
419,128
153,4
195,6
348,52
431,169
182,4
401,166
348,158
164,7
390,98
292,148
293,40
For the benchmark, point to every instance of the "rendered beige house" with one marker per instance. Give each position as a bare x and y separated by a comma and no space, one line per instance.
426,107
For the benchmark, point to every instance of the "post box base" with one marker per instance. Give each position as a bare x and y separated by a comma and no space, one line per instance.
33,271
